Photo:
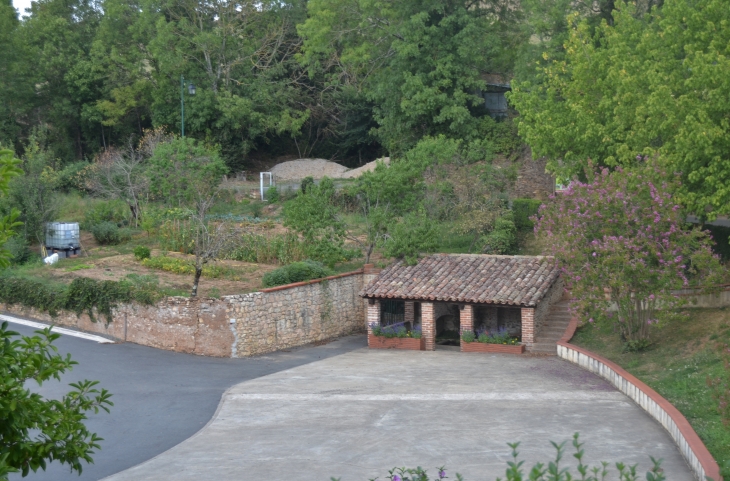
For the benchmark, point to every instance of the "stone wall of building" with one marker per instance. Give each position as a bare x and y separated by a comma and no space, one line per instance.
532,180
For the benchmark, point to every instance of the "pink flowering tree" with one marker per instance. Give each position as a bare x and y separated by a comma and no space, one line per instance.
625,249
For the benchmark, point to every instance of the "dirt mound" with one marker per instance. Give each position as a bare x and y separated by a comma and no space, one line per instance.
318,168
301,168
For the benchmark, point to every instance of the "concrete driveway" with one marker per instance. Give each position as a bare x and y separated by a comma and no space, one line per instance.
356,415
160,397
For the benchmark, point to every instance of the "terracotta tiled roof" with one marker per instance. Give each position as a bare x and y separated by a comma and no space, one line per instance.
469,278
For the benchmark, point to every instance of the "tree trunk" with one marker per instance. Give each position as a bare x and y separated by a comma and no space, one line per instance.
198,273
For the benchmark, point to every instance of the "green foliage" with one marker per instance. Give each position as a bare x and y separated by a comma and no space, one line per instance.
316,218
414,235
141,253
272,194
82,295
35,430
8,169
468,336
186,267
306,183
108,233
183,172
113,211
502,239
421,68
18,249
268,249
640,86
551,471
296,272
34,194
74,177
522,210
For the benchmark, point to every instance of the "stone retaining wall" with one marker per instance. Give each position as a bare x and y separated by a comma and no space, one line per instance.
232,326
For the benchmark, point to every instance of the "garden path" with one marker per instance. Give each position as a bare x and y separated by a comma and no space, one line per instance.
356,415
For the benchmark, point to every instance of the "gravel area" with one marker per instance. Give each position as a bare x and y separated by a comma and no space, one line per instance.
318,168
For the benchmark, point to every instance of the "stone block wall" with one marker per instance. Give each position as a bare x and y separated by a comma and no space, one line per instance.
532,180
294,315
240,325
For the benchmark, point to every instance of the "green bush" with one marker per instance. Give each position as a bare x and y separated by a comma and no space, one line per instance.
108,233
502,239
306,183
268,249
272,194
468,336
82,295
296,272
19,251
113,211
141,253
522,210
74,177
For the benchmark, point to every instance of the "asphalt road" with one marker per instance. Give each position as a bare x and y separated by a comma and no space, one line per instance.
160,398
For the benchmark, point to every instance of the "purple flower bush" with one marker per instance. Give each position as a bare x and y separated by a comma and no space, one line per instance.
624,247
395,330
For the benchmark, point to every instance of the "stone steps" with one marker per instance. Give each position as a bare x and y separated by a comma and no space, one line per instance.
552,330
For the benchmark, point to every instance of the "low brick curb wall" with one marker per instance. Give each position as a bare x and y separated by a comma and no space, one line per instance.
690,445
485,347
408,343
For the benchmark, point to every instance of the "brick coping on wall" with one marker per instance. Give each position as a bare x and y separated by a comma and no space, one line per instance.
690,445
313,281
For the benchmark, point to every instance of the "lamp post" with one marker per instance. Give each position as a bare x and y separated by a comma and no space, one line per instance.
191,91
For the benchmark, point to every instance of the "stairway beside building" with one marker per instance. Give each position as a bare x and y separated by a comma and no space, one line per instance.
553,329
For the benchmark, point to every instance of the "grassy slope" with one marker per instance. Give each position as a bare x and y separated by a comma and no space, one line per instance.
683,355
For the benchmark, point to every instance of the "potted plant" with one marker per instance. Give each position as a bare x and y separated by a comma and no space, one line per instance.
395,336
496,341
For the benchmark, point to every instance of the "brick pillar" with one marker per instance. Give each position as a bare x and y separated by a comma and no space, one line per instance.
373,316
466,321
528,327
428,325
410,314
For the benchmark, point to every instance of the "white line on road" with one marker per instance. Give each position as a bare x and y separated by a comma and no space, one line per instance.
59,330
478,396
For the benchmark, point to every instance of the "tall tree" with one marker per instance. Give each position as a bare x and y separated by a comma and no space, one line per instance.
422,64
647,85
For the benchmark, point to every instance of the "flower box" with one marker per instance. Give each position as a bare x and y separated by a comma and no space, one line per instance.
486,347
410,343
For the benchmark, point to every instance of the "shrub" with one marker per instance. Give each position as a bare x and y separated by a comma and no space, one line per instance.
18,248
113,211
75,177
141,253
395,330
468,336
108,233
296,272
522,210
503,238
306,182
268,249
185,267
272,194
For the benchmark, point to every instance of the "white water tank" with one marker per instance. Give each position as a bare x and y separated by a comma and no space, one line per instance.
63,235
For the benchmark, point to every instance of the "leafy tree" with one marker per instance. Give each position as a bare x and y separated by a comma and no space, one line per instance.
35,430
35,192
645,85
314,215
184,172
8,169
621,239
420,63
415,234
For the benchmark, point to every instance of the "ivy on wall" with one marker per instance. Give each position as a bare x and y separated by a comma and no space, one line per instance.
82,295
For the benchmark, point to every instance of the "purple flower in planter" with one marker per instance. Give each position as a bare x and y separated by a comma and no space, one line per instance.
396,477
442,474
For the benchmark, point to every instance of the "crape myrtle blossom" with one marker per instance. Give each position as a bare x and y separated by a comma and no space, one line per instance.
623,245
